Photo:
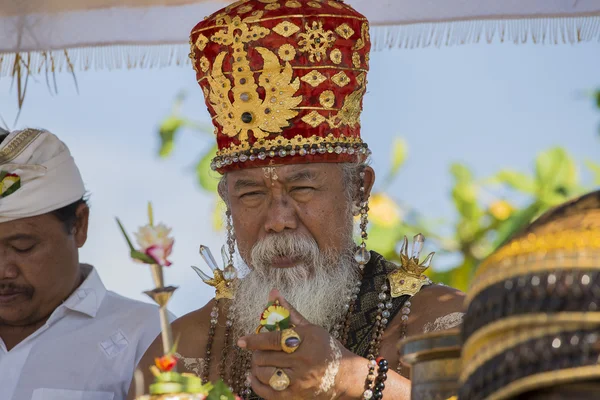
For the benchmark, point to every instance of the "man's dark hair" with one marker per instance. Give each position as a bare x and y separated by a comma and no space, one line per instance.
68,214
3,135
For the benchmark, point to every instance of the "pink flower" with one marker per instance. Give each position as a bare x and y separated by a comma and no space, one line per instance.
155,242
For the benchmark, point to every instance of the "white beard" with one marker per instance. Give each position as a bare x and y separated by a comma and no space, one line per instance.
319,287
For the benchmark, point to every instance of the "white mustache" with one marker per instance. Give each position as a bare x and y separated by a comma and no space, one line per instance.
295,246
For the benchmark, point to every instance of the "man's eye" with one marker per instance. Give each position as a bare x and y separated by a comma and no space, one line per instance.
302,189
23,249
250,194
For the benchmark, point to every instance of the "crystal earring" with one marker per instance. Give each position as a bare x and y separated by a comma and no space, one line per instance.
362,255
229,270
222,280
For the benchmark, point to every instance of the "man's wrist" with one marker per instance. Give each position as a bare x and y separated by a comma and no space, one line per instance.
352,377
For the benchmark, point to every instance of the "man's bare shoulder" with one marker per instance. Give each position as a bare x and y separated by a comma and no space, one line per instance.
193,321
438,295
192,330
436,307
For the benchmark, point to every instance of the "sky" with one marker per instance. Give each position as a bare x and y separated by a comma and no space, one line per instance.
490,106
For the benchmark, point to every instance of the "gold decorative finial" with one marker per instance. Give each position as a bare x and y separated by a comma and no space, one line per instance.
223,286
408,279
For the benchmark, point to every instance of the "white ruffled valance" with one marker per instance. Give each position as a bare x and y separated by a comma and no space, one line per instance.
73,35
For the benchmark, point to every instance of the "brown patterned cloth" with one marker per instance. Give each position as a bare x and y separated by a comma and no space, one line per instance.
362,322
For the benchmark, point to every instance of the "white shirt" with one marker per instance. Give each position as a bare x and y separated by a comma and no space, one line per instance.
87,350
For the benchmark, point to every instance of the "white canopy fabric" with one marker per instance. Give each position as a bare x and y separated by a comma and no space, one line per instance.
55,35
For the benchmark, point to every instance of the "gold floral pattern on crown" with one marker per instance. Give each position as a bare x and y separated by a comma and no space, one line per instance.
315,41
247,112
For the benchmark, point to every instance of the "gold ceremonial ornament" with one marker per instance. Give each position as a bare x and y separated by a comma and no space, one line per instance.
290,340
532,310
435,364
279,381
161,296
408,278
223,279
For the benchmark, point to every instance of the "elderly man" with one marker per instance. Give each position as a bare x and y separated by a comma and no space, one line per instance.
63,336
284,82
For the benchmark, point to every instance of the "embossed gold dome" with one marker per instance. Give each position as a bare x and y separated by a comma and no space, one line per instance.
533,318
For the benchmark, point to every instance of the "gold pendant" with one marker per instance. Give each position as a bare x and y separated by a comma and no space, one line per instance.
408,278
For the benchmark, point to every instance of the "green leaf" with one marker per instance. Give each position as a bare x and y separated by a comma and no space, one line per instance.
515,223
465,192
444,277
457,277
13,188
219,391
383,239
595,168
551,199
463,274
131,248
205,175
556,171
465,199
168,129
138,255
3,175
217,216
150,214
175,345
461,173
597,95
399,151
516,180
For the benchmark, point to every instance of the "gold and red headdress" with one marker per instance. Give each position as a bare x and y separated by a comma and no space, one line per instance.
283,81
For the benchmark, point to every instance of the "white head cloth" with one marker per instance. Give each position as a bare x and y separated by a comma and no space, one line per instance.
49,178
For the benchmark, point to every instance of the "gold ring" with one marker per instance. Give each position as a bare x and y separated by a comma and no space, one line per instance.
290,340
279,381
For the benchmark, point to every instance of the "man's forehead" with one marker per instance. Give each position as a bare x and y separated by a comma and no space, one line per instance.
285,172
23,227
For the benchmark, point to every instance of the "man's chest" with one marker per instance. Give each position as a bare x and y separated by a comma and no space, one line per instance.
68,363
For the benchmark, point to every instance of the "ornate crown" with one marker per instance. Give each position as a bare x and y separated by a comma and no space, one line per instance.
283,81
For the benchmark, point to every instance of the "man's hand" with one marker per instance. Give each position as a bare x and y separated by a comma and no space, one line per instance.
306,367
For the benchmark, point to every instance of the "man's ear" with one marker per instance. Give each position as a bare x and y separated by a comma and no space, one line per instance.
369,181
223,190
80,230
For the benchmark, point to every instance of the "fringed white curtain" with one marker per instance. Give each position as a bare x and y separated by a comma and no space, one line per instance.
73,35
